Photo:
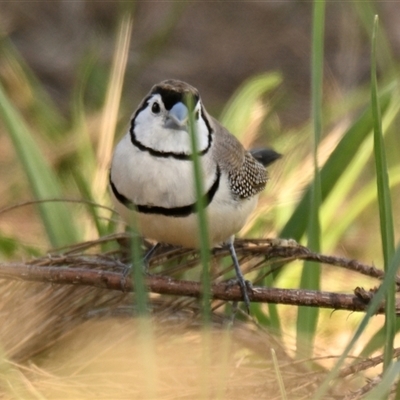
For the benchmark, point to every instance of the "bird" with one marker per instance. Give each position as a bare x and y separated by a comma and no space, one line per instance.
151,176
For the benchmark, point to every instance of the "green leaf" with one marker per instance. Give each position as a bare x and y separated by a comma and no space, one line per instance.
237,113
371,311
385,206
202,219
307,317
8,246
354,207
56,217
39,105
382,390
333,227
334,167
236,117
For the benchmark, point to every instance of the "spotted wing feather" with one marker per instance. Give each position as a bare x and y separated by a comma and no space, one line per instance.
246,175
248,180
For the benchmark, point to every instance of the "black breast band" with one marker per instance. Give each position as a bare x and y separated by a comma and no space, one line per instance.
183,211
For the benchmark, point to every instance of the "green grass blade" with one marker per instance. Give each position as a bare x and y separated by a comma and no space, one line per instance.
79,114
141,292
371,311
362,199
238,111
37,103
334,167
332,227
377,341
201,212
84,189
385,206
382,390
333,170
10,248
367,10
56,217
307,317
237,116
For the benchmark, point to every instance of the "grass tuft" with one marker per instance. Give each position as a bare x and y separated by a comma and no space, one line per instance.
385,205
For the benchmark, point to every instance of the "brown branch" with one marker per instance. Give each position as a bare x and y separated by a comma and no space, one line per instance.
74,267
166,285
289,250
366,364
279,250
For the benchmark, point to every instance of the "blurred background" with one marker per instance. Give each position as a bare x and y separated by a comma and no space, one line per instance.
57,57
62,64
213,45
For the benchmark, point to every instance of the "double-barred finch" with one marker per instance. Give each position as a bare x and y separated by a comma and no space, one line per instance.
152,175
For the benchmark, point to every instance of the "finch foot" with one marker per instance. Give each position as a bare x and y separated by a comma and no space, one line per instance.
244,285
145,265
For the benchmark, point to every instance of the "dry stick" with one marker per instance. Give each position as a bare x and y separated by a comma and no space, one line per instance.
270,250
267,248
166,285
98,271
358,394
365,364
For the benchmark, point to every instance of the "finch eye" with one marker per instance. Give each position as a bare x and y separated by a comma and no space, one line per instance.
155,108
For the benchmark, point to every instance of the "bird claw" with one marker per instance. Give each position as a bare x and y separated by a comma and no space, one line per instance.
144,264
127,273
127,270
245,288
244,285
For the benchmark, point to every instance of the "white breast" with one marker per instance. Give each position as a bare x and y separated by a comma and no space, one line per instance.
148,180
167,182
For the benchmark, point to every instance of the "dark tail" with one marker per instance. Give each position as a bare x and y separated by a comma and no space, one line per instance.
265,156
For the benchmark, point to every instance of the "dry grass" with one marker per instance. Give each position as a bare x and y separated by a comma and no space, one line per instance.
70,342
81,342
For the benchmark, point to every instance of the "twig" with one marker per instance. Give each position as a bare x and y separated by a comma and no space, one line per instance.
276,248
166,285
365,364
74,267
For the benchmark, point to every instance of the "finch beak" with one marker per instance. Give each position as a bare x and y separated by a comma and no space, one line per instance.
177,117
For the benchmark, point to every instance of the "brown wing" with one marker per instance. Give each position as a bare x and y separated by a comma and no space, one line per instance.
248,180
247,176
